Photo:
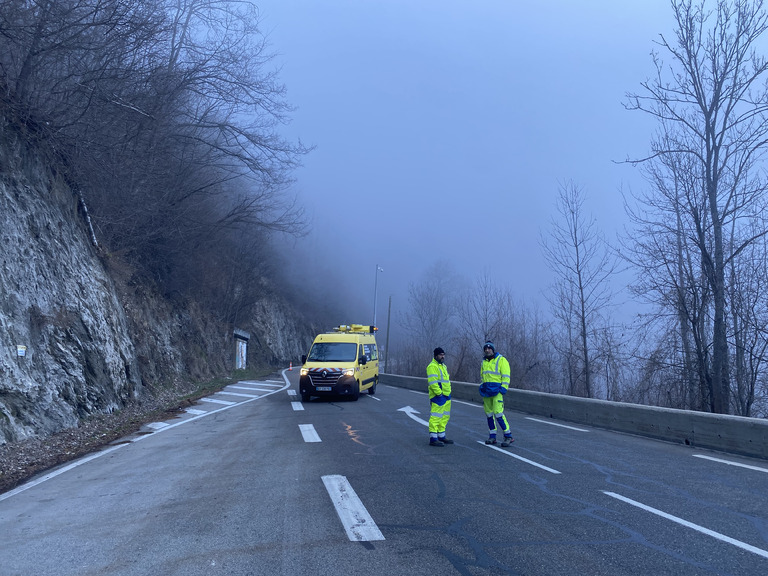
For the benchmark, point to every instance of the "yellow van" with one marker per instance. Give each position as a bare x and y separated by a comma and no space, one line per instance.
343,362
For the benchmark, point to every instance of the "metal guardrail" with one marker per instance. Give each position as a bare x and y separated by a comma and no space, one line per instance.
733,434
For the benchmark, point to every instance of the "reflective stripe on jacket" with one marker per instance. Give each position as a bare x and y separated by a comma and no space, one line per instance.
494,375
438,381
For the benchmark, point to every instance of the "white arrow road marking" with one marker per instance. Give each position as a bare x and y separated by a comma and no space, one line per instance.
411,414
309,433
513,455
357,522
723,537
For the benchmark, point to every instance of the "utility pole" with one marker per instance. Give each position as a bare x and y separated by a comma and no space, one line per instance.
375,291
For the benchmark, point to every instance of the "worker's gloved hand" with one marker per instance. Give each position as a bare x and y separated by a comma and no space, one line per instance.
503,390
439,399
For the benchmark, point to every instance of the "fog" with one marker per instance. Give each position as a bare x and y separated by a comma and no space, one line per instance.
443,130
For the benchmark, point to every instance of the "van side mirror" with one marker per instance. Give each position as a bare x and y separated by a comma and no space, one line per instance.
363,360
303,358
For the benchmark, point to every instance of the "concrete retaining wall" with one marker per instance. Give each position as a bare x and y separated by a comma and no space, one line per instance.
735,434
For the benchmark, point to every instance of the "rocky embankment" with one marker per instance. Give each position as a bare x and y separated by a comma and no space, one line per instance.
79,334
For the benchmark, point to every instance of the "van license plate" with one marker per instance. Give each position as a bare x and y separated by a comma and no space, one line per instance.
323,388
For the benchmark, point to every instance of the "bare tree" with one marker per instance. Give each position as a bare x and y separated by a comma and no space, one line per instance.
712,106
578,254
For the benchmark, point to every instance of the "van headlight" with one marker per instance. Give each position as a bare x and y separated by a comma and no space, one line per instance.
304,372
349,372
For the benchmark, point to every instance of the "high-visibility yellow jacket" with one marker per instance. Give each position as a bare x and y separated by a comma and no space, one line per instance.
494,375
438,382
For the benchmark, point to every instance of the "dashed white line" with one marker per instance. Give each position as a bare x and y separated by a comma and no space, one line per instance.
309,433
297,406
556,424
291,392
513,455
708,532
354,517
217,401
237,394
157,425
195,411
731,463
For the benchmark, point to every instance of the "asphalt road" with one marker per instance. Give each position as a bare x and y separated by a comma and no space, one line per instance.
251,481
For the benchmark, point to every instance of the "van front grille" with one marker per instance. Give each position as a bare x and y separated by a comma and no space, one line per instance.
324,376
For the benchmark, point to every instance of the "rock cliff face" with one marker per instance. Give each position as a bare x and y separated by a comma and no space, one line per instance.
93,340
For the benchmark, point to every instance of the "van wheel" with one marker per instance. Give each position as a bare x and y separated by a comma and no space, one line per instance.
305,397
372,389
356,393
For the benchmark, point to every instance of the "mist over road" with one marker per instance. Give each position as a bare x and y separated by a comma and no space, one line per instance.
252,481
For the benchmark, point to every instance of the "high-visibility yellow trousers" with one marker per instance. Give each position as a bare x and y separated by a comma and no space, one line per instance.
494,413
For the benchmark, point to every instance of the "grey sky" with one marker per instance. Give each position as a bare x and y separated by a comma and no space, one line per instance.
444,128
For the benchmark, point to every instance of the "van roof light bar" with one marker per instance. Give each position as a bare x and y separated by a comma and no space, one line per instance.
359,328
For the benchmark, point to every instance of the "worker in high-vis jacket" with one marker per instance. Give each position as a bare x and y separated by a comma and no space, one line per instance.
494,375
439,398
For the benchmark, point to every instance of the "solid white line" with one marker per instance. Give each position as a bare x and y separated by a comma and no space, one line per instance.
556,424
730,463
237,394
354,517
513,455
216,401
722,537
309,433
297,406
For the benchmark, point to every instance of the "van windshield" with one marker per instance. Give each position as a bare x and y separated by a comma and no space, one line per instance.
333,352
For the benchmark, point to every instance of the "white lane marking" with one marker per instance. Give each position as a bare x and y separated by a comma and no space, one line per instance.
513,455
452,400
309,433
708,532
411,414
217,401
158,425
195,411
85,459
466,403
731,463
354,517
291,392
275,381
297,405
556,424
262,383
237,394
233,387
374,398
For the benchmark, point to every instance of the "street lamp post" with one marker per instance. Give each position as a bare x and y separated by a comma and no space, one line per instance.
375,291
